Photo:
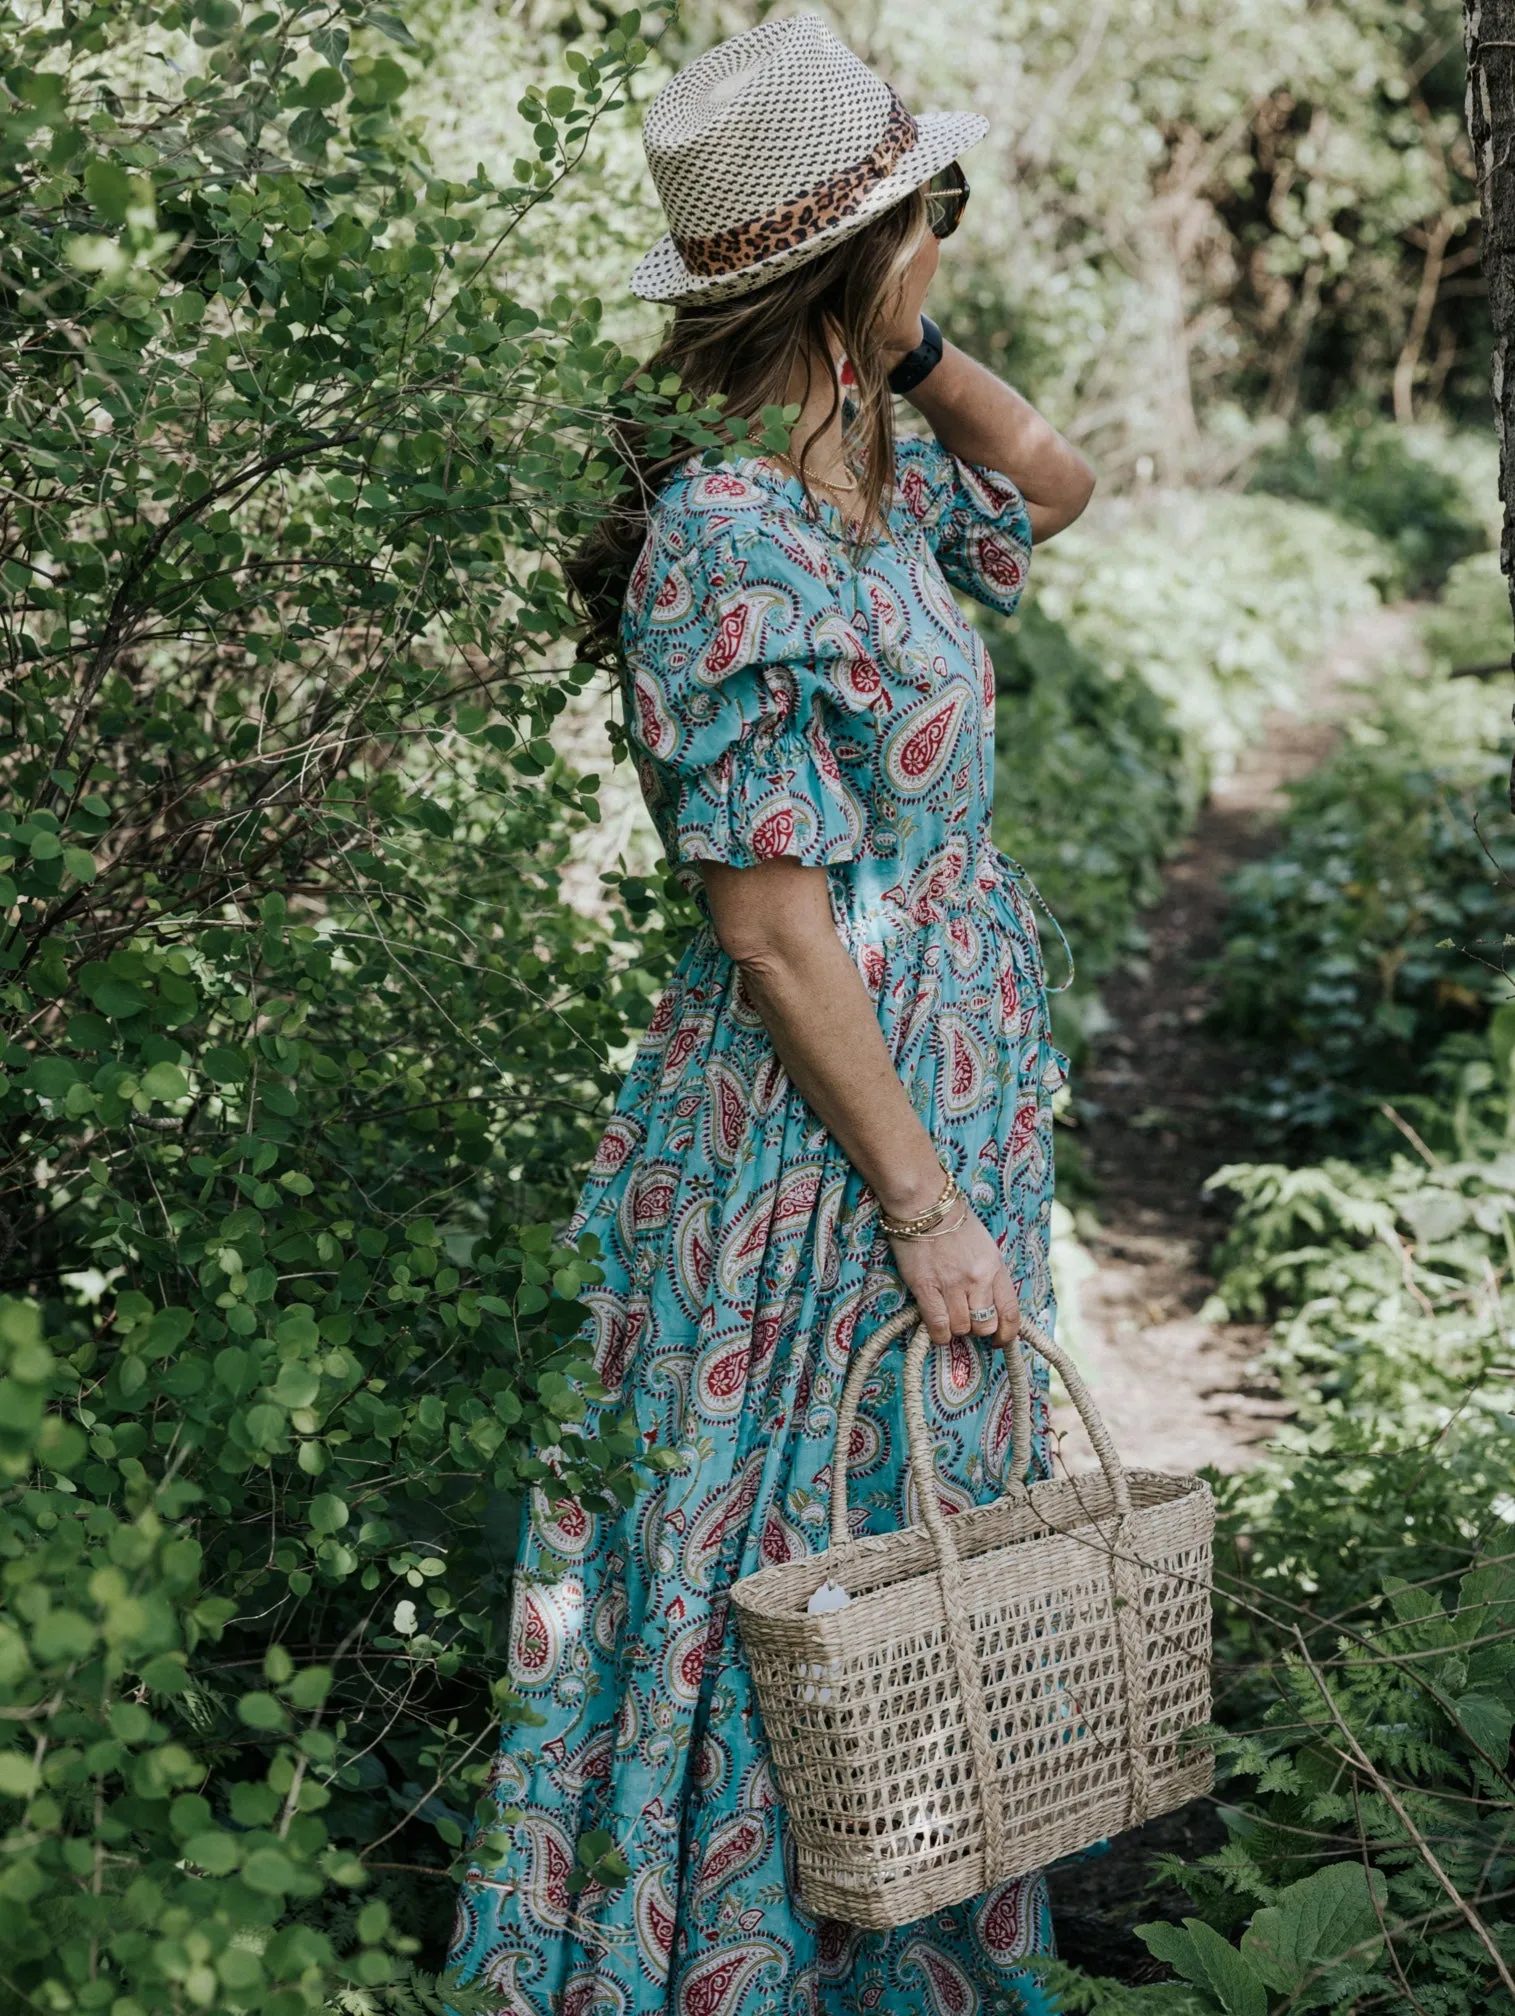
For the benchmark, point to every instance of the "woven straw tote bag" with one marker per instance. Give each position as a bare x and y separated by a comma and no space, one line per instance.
1006,1685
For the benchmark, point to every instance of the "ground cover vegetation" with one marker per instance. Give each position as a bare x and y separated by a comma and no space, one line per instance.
1366,1643
1126,688
305,1054
1366,956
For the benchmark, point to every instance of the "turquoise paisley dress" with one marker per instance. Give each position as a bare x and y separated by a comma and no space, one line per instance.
785,698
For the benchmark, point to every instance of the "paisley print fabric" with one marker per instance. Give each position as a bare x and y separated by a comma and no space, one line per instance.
785,700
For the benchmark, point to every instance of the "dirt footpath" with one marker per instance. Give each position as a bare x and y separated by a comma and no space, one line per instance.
1175,1386
1152,1123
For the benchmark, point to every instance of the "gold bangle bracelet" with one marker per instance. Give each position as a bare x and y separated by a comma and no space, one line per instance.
896,1227
931,1215
941,1230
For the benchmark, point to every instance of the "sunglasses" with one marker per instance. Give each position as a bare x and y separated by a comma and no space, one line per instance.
946,199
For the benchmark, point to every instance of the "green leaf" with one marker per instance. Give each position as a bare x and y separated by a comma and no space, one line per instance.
164,1081
297,1385
310,1687
261,1711
109,189
118,998
1227,1974
269,1871
1172,1945
164,1675
236,1370
1488,1722
386,83
168,1329
1315,1921
309,134
266,1424
18,1775
328,1513
214,1852
1501,1040
90,1032
51,1076
1198,1953
321,89
391,25
80,863
63,1635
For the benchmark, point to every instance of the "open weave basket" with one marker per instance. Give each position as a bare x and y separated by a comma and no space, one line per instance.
1007,1685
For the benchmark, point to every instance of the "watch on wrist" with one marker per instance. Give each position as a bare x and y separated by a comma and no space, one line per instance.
922,360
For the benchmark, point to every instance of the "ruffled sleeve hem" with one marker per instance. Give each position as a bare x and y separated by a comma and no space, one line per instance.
975,518
774,795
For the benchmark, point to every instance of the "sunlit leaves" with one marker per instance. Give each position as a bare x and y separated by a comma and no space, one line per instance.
301,1051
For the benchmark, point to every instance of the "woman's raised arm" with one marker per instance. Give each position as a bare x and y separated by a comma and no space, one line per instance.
982,419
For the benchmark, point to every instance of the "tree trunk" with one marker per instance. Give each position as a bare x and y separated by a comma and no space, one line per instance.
1489,36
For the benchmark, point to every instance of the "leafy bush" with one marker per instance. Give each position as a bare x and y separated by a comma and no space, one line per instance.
303,1054
1365,1675
1386,478
1155,643
1376,930
1219,603
1091,788
1469,622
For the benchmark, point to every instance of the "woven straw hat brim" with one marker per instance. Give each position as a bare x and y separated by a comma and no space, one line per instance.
662,275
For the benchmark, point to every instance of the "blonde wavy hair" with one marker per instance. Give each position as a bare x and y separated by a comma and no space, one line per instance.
748,348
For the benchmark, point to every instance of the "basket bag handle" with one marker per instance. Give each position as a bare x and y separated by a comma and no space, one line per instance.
1124,1573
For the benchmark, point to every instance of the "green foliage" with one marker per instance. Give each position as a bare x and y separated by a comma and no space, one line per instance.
1469,622
1369,472
1218,209
1091,787
1298,1947
1366,1580
1365,1675
1218,603
1377,930
1156,641
1365,1620
302,1053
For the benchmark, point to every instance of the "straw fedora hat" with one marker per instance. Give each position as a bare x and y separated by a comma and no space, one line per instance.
772,146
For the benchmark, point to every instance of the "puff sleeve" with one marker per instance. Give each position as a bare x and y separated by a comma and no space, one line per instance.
743,677
974,517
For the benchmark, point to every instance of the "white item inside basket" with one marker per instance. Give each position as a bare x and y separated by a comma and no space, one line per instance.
830,1596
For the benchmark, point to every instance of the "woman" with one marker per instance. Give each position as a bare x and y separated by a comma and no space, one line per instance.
844,1095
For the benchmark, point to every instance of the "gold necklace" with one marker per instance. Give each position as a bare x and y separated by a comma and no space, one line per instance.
826,482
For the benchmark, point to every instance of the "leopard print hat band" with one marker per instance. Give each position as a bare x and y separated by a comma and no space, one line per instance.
829,201
772,145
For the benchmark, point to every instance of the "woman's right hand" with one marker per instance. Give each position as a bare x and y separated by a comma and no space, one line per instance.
962,1270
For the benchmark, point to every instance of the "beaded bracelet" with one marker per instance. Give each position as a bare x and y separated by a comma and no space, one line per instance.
941,1230
909,1228
932,1215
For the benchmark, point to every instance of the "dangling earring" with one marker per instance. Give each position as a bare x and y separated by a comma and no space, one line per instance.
846,374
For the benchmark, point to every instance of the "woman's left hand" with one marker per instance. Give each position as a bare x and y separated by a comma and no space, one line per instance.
952,1276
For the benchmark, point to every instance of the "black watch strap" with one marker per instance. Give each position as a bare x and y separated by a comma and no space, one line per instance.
923,359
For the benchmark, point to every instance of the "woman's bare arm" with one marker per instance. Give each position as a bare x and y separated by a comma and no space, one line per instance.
774,921
982,419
